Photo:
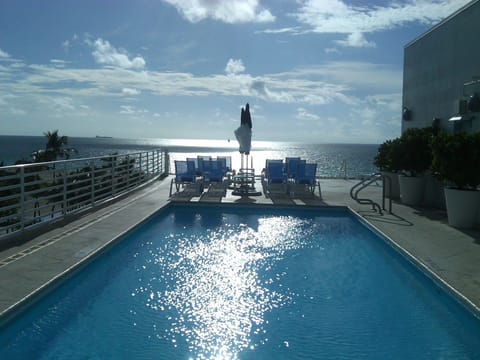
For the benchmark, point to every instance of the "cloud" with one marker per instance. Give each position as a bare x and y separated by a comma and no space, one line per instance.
303,114
292,30
58,63
63,104
331,51
131,110
105,53
66,45
127,109
340,83
228,11
4,54
356,39
130,91
336,16
234,67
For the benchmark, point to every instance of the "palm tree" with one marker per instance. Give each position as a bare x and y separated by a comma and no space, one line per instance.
54,148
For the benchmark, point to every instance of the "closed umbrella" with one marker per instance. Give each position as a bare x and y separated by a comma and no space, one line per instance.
243,133
245,179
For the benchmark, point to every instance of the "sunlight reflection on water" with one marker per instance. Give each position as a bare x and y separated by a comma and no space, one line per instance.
213,284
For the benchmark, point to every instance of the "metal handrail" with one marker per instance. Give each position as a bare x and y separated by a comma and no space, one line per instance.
355,190
34,194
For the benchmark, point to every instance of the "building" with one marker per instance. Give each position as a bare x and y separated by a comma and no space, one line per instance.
441,77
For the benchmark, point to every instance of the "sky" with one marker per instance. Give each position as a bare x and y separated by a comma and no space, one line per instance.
313,71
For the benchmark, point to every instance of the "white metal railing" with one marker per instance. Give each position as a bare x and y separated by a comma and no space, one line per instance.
34,194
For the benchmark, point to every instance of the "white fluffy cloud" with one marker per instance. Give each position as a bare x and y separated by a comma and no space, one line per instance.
336,16
356,39
4,54
105,53
301,86
130,92
234,67
131,110
228,11
303,114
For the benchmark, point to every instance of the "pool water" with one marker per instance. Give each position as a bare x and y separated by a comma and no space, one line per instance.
201,282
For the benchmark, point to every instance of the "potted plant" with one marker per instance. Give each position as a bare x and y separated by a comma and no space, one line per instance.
388,161
456,161
416,158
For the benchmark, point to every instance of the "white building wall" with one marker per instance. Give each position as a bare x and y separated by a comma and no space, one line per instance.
436,67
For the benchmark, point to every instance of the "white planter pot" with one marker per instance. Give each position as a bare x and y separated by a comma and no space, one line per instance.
412,189
392,188
434,192
462,207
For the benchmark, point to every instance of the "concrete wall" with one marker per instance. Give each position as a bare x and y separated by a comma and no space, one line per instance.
436,67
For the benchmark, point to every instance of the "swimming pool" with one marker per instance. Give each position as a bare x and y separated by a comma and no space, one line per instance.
206,282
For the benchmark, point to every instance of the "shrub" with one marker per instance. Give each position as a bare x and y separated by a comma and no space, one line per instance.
456,159
416,153
388,156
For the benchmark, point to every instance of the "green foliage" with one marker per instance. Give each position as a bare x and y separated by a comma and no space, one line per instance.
388,157
410,153
416,153
456,159
54,148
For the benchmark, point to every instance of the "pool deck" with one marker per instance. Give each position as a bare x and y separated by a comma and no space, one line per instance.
452,254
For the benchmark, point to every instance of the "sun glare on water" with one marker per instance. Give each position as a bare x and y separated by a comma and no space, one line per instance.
214,288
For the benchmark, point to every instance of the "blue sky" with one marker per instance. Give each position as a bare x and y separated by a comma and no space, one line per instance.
321,71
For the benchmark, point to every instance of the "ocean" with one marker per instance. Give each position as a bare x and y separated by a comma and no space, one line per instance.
334,160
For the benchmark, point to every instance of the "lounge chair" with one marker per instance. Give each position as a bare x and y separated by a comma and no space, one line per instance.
227,162
305,179
275,176
267,162
197,169
213,174
291,166
186,177
200,160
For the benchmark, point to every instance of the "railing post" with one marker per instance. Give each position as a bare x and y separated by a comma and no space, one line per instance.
22,197
148,166
64,181
155,162
345,168
113,174
92,181
166,165
160,162
128,171
140,167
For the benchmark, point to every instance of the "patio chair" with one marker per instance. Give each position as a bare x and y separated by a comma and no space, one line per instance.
195,161
306,178
200,160
214,174
275,176
291,166
227,166
185,176
227,162
264,170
